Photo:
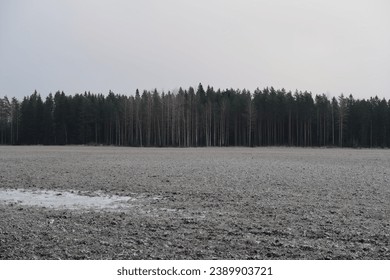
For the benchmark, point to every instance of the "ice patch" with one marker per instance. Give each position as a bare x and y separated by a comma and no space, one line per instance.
66,200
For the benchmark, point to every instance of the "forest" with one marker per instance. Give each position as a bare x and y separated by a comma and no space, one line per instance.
196,118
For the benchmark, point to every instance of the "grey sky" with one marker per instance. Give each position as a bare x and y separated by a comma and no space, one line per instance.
333,46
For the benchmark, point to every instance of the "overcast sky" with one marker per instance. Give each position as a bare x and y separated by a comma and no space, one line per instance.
331,46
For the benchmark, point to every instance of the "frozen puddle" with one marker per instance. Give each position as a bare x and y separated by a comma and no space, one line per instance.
66,200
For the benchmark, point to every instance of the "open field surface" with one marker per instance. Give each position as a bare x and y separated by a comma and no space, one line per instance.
196,203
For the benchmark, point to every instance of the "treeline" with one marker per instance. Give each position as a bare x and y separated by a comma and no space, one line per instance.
192,118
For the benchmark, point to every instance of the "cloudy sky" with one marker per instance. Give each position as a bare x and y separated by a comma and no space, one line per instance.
332,46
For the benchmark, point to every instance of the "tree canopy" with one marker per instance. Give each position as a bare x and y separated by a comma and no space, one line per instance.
196,117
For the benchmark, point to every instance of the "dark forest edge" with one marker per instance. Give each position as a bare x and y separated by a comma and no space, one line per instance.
196,118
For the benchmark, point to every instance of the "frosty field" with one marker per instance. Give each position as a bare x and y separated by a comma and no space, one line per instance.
76,202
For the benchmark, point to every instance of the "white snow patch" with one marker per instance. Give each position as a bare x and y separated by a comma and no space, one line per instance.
66,200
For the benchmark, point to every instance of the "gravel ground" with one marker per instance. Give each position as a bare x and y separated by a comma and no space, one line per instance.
198,203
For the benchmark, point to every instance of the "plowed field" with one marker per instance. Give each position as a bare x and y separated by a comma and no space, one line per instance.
78,202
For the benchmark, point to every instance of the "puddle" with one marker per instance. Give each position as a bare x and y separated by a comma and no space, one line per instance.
67,200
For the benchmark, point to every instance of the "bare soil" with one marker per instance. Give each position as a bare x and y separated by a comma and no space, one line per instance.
195,203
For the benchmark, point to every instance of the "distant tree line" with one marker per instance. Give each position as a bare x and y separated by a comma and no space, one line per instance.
193,118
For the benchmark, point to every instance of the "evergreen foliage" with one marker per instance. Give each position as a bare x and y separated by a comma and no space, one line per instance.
196,117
